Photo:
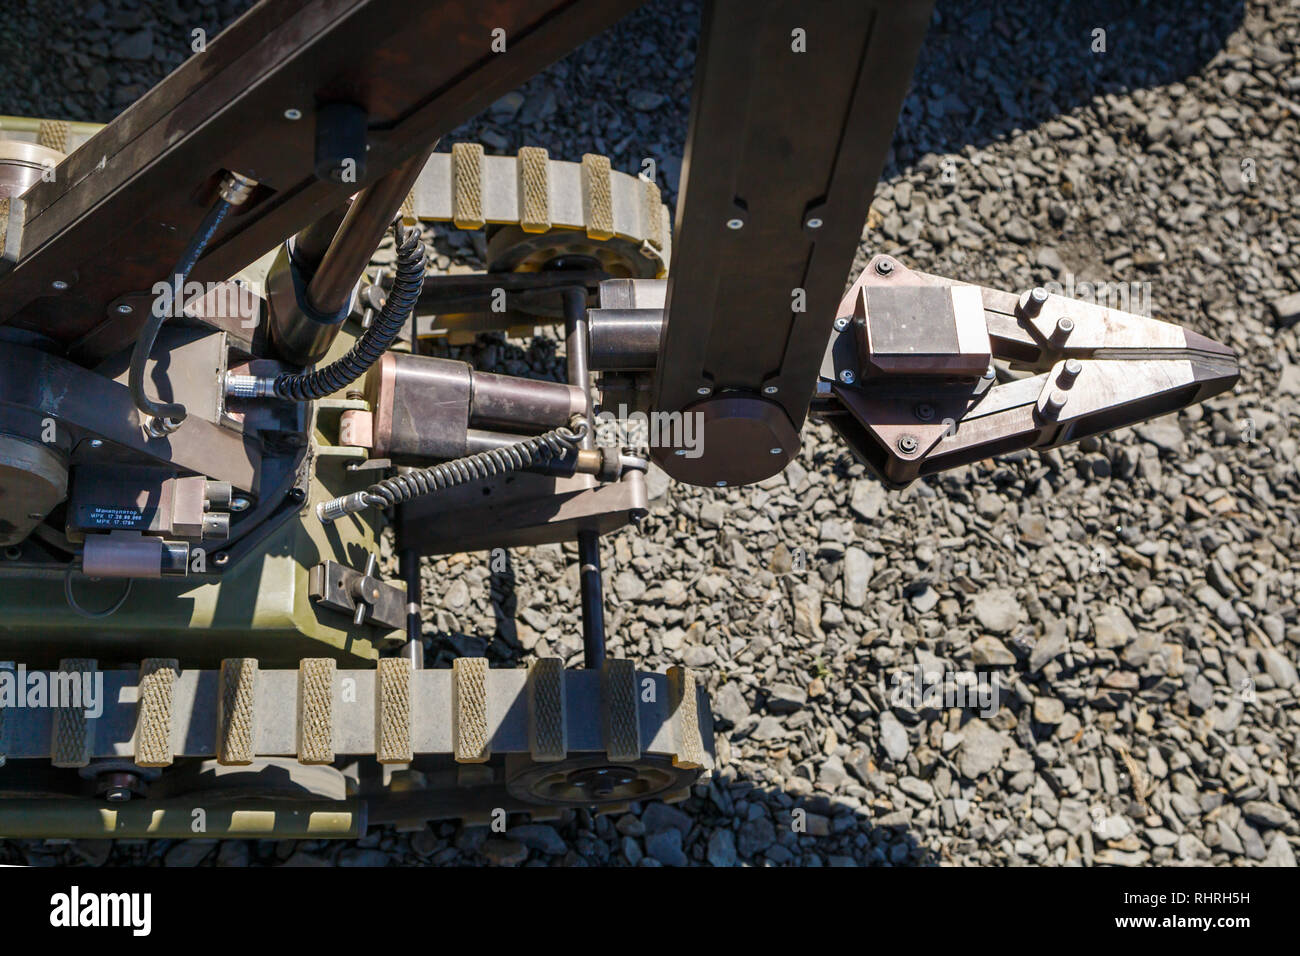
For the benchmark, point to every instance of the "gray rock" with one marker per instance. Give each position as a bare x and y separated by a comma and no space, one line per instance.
666,847
893,737
997,610
539,836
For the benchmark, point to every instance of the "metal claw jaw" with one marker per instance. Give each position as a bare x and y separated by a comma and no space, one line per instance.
909,381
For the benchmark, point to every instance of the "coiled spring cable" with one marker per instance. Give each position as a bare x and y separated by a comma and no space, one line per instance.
538,450
408,281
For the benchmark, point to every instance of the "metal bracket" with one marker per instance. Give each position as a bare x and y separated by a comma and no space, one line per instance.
358,593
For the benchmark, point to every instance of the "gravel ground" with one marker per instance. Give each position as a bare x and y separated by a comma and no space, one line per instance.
1136,594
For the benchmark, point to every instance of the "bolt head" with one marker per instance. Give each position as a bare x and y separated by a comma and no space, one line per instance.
239,503
722,484
884,267
847,377
293,114
770,390
814,223
704,390
58,285
124,309
735,224
97,443
776,451
907,444
841,323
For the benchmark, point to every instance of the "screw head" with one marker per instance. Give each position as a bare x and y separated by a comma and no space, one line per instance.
704,390
814,223
722,484
847,377
293,114
841,323
59,285
908,444
884,267
770,390
124,309
776,451
735,224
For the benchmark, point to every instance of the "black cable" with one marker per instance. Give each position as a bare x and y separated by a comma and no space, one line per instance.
408,280
149,331
537,450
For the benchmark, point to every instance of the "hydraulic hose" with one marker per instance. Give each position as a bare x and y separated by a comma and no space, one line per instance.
169,415
538,450
407,284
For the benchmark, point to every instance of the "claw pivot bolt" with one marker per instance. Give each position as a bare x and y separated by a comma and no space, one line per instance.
1035,301
1069,372
1064,326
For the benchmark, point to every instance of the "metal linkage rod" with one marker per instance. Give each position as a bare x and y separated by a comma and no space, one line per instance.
593,605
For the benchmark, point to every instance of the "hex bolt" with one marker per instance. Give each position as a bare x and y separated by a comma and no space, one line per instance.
842,323
847,376
907,444
1035,301
884,268
924,411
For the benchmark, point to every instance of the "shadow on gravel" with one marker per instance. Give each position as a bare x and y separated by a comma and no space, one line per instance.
984,71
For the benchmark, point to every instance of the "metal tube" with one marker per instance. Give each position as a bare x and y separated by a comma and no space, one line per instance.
508,401
593,604
369,217
575,346
625,340
311,244
413,649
